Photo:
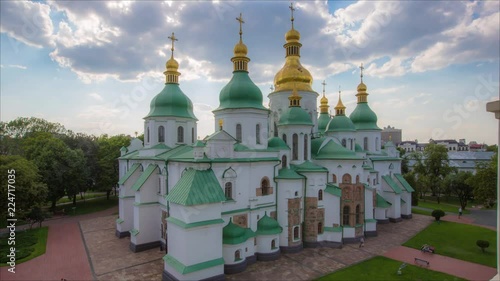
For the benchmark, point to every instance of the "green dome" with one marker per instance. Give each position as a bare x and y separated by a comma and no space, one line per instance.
171,101
341,123
233,234
240,92
295,115
333,150
323,120
364,118
267,225
276,142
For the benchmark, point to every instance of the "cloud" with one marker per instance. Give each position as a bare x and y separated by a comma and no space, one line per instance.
14,66
96,96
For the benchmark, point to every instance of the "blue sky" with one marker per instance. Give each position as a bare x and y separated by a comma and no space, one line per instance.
94,66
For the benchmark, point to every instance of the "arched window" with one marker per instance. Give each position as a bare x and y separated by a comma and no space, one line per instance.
238,132
295,147
273,244
161,134
357,179
275,129
257,133
192,135
334,178
283,161
180,134
296,233
284,138
365,143
346,178
358,214
147,135
228,190
305,147
343,142
320,228
345,215
377,144
320,194
237,255
264,185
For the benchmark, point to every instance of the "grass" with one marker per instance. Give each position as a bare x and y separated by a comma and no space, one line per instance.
443,206
88,195
382,268
421,212
29,245
91,206
458,241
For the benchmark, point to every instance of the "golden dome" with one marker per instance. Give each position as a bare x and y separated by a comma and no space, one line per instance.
362,87
324,100
240,49
293,74
292,36
172,64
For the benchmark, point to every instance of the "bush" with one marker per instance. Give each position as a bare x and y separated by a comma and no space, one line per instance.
438,214
482,244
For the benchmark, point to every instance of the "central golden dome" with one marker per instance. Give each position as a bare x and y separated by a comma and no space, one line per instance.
240,49
292,36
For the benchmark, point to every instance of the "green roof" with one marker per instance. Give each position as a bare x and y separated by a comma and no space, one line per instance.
364,118
333,150
276,142
333,229
171,102
392,184
196,187
286,173
268,226
144,176
323,120
185,269
295,115
199,143
129,173
308,166
404,183
341,123
358,148
381,202
333,190
240,92
234,234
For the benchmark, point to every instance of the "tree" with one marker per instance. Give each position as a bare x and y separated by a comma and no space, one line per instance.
109,151
483,244
26,185
404,163
438,214
411,179
23,126
458,184
35,216
484,181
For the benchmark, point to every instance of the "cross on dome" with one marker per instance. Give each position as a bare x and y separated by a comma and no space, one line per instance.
240,19
291,10
173,38
324,84
361,70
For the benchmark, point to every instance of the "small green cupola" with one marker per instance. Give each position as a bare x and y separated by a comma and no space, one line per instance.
171,101
241,91
295,114
268,226
340,123
324,116
234,234
363,116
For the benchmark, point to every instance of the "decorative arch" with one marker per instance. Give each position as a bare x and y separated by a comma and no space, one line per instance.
334,178
265,187
229,173
284,163
346,178
320,195
237,255
345,215
357,178
391,166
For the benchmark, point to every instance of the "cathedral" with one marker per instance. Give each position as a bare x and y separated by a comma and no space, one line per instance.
269,180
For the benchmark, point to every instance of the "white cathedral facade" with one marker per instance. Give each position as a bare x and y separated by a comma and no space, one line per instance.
267,181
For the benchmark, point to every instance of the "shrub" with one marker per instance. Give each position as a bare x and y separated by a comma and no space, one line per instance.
482,244
438,214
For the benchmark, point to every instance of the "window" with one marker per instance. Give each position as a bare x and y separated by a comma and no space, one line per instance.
358,214
365,143
228,190
273,244
180,134
343,143
284,138
161,134
320,194
296,193
334,178
296,235
159,186
264,185
237,255
320,228
357,179
257,133
377,145
283,161
275,130
238,132
346,178
305,147
295,147
147,135
345,216
192,135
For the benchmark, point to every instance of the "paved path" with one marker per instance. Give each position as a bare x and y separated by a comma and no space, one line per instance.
65,255
460,268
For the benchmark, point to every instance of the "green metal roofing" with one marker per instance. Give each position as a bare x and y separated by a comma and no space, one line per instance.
316,144
240,92
160,146
185,269
276,142
171,102
295,115
144,176
364,118
333,229
381,202
358,148
389,144
199,143
323,120
308,166
384,158
129,173
268,226
234,234
341,123
392,184
333,190
404,183
196,187
286,173
333,150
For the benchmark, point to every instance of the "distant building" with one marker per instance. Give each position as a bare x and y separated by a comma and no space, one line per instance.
391,134
464,160
474,146
451,145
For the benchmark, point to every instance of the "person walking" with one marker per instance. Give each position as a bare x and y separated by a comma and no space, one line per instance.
459,212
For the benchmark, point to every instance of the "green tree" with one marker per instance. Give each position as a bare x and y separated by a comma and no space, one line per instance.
23,126
404,163
484,181
29,190
458,184
109,151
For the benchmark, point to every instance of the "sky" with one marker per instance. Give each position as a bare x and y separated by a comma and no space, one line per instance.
94,66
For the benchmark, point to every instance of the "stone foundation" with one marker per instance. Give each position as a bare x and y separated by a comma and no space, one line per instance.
395,219
327,244
291,249
268,256
143,247
383,221
235,268
371,233
165,276
121,234
407,217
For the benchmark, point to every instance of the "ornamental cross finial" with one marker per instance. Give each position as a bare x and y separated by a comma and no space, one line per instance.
324,84
291,10
361,68
240,19
339,89
173,38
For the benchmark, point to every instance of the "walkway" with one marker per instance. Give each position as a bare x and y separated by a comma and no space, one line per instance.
460,268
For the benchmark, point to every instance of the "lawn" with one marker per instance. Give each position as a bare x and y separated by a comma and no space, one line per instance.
458,241
382,268
90,206
443,206
88,195
29,244
421,212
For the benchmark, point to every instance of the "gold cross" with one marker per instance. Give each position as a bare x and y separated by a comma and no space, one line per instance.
240,19
361,68
324,84
292,9
173,38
